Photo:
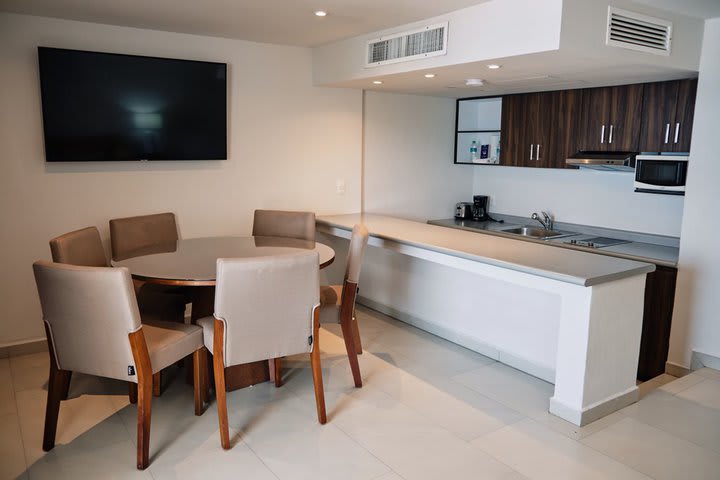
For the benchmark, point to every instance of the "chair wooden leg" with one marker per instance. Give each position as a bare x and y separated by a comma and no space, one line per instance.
356,336
66,392
349,338
275,366
317,370
199,379
209,375
220,394
144,396
58,382
132,392
157,384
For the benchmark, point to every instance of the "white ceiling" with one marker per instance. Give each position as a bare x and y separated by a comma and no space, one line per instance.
287,22
690,8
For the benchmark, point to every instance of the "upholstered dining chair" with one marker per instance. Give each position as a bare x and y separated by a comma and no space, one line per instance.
265,307
133,236
337,302
279,223
84,247
93,326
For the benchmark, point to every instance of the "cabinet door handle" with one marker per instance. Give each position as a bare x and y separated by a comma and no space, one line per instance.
602,134
611,132
667,132
537,152
531,148
677,131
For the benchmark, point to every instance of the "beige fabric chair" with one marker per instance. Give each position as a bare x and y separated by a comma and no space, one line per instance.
265,307
141,235
93,326
338,301
81,247
278,223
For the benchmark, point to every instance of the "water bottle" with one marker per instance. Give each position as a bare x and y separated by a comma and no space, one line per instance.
473,151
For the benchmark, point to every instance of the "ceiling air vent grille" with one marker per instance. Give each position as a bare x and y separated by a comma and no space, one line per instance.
638,32
428,41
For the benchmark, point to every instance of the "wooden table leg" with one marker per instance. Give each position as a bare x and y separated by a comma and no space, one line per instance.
237,376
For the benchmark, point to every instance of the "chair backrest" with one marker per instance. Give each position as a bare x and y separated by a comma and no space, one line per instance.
356,252
130,235
267,305
278,223
81,247
89,312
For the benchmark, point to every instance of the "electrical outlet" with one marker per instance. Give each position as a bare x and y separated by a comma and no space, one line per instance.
340,186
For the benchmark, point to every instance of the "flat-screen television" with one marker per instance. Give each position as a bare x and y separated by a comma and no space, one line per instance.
110,107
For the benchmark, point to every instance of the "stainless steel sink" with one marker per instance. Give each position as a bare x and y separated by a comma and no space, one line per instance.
528,231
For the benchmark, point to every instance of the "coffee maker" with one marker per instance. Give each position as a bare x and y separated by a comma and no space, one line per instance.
479,208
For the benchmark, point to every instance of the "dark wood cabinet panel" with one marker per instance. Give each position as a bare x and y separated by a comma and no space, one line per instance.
668,109
563,109
684,113
657,318
538,129
610,118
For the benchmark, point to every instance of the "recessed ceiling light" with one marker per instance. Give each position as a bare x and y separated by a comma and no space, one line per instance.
377,82
429,75
320,13
474,82
494,66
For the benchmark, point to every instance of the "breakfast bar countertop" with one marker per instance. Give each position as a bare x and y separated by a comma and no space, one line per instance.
536,258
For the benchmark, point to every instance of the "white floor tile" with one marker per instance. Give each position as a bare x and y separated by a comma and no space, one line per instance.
12,457
513,388
102,451
706,394
654,452
30,371
682,383
410,444
573,431
646,387
459,409
283,430
709,373
538,452
77,416
680,417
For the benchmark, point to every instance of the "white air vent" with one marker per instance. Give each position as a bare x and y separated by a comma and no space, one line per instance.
428,41
638,32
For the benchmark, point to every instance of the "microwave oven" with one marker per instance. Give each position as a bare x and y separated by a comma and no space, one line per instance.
658,173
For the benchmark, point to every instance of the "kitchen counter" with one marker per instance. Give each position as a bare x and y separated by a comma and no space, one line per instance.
657,249
568,316
539,258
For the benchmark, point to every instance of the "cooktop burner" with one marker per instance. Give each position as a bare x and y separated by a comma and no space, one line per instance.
596,242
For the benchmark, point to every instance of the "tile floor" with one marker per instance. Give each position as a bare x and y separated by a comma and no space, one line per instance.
429,410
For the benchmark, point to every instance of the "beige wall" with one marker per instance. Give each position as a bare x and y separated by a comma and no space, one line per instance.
408,169
288,144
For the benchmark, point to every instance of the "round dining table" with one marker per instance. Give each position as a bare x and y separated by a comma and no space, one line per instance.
191,263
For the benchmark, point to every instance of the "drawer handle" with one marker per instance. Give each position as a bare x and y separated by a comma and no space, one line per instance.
602,134
611,132
531,148
667,132
537,152
677,131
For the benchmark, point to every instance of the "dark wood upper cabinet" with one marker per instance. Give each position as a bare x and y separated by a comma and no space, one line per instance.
668,109
538,129
610,118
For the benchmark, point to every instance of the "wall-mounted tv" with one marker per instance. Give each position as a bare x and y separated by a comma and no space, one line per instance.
111,107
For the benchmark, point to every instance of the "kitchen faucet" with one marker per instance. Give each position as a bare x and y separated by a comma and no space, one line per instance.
546,221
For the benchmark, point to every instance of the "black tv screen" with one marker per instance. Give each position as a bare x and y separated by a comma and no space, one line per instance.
110,107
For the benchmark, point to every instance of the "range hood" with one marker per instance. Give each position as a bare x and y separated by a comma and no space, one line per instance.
617,161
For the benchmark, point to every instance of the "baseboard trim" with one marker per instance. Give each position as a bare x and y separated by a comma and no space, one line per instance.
676,370
471,343
702,360
23,348
595,411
